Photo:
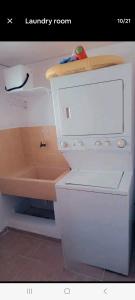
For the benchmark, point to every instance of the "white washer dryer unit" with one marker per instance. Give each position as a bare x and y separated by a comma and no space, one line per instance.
94,114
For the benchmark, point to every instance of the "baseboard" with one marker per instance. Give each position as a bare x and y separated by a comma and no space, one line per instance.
34,224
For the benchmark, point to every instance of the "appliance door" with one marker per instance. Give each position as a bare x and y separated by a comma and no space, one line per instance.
95,228
92,108
102,179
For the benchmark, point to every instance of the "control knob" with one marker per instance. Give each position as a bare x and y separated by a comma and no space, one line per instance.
98,143
121,143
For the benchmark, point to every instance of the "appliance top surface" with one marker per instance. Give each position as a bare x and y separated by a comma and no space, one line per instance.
105,181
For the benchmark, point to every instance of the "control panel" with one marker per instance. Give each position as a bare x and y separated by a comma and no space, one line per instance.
95,143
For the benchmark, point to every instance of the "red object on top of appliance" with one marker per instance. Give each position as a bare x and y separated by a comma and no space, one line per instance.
80,52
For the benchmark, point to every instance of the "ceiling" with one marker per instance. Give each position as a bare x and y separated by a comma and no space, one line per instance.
13,53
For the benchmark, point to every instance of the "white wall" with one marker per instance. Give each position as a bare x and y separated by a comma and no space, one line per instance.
124,49
40,110
12,111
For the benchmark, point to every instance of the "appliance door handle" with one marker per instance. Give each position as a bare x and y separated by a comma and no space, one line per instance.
20,86
68,112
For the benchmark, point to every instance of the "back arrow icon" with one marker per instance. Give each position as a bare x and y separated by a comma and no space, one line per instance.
105,291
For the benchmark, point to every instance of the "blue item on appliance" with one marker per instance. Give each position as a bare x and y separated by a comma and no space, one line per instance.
68,59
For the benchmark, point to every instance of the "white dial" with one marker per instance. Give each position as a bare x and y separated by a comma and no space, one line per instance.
98,143
121,143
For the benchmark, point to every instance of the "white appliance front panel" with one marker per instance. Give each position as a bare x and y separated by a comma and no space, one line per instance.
95,228
92,109
96,178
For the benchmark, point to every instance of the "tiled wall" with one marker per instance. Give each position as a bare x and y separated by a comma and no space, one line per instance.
20,147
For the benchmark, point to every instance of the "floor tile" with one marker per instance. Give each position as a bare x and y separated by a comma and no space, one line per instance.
6,269
14,243
34,270
10,267
32,257
49,252
66,275
96,274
